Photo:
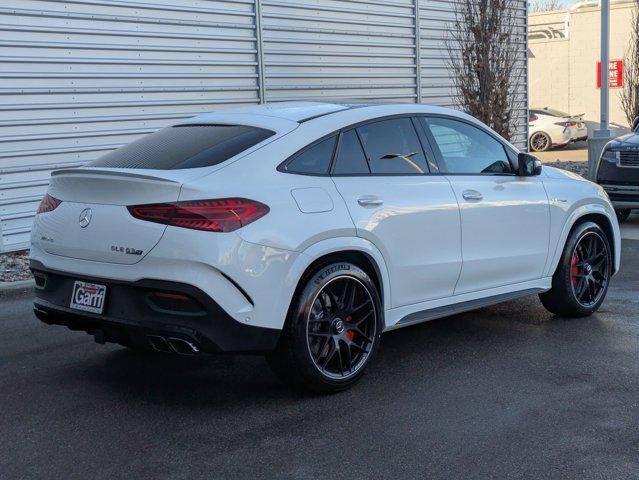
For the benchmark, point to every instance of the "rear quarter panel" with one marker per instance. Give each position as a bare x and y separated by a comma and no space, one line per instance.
304,209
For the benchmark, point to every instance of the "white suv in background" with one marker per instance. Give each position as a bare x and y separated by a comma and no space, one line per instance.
303,231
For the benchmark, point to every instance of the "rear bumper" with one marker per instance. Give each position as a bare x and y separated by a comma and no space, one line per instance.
130,315
561,139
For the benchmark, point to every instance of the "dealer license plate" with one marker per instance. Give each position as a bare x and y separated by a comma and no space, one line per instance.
88,297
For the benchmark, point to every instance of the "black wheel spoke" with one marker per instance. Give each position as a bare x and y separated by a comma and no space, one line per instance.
583,284
359,347
350,298
343,297
358,308
325,309
362,334
319,334
330,354
349,358
341,362
334,300
364,318
319,320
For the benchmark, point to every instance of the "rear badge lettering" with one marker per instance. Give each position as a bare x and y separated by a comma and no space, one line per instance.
126,250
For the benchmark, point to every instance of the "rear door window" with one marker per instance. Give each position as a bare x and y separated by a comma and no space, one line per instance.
350,158
185,146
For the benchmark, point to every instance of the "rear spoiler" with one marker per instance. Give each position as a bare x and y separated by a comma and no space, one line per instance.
578,118
113,173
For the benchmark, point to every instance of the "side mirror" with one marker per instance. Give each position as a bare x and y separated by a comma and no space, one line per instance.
529,165
635,124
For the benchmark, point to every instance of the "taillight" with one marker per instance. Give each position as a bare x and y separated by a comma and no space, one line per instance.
533,118
48,204
220,215
566,124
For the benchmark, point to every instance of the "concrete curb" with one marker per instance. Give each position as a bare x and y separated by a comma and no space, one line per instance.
15,288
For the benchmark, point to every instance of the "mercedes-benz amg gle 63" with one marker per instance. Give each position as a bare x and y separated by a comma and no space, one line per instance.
304,231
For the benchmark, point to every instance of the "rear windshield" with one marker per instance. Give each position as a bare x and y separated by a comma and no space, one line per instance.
185,146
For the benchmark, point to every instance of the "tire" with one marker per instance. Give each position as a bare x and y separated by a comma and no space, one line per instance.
540,142
580,263
317,350
623,214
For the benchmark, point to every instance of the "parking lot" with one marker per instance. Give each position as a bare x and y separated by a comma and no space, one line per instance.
503,392
576,152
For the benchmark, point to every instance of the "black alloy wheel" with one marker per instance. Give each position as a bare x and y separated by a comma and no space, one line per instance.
590,269
341,327
582,277
332,331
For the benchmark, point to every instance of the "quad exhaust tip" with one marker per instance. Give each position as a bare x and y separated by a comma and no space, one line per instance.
172,345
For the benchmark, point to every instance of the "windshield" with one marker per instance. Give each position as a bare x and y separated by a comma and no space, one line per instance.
185,146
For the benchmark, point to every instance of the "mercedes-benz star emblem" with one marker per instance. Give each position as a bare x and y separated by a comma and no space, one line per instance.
85,217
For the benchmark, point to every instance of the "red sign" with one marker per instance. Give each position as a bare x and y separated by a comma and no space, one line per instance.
615,74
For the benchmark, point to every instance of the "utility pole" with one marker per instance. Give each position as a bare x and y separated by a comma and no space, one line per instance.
602,135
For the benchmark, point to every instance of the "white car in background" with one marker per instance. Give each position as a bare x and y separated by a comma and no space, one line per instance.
550,128
303,231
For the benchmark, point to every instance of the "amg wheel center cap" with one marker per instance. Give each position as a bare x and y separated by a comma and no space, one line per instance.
338,326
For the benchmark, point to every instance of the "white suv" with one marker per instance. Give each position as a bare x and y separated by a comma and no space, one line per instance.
303,231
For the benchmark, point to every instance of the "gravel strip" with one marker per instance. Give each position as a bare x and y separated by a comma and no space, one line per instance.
14,266
580,168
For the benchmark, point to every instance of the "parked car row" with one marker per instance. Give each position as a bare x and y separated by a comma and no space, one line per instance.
549,128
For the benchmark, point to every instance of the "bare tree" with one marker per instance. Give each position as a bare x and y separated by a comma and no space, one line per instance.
545,6
482,57
630,93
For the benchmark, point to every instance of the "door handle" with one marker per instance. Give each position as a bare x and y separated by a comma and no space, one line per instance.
472,195
370,201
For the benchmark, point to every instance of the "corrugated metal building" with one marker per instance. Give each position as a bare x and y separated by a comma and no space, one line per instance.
81,77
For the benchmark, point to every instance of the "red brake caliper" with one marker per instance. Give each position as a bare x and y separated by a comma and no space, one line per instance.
574,270
350,333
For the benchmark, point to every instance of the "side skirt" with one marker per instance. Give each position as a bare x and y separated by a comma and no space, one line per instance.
461,307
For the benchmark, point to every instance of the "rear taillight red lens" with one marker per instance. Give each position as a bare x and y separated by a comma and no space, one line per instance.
220,215
48,204
566,124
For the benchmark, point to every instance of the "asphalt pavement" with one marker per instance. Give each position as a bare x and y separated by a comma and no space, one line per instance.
575,152
503,392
